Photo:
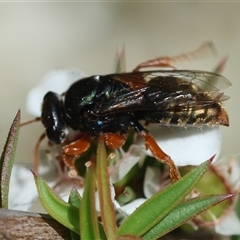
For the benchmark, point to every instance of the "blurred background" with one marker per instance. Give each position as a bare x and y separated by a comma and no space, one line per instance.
38,37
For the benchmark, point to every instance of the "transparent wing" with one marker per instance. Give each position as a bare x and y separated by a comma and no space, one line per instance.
207,81
175,90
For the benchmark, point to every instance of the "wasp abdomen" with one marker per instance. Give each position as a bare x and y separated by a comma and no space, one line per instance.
194,109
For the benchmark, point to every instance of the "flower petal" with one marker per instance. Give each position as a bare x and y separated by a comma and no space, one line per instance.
57,81
152,181
23,191
119,170
229,166
230,225
132,206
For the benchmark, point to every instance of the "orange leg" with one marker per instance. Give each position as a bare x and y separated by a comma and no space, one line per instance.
113,140
166,62
36,152
160,155
74,149
80,146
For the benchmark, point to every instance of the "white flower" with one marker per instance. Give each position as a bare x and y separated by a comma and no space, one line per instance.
22,190
229,168
125,161
23,193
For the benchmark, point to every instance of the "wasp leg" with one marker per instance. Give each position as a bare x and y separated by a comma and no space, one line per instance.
157,152
73,149
161,156
36,152
113,140
166,62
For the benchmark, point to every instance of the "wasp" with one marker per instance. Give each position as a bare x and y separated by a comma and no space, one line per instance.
108,106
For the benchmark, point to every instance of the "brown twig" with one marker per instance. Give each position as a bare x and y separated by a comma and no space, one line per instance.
28,226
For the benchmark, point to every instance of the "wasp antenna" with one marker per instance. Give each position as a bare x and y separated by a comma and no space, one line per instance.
37,119
36,152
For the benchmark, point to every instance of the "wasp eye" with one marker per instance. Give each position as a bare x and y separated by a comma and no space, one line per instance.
52,118
56,135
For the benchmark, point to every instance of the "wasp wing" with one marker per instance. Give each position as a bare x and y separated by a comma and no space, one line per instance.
175,90
205,80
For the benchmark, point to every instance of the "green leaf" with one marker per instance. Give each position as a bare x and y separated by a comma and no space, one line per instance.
183,212
88,215
237,210
75,236
7,159
64,213
105,200
235,237
127,196
161,204
128,237
74,200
